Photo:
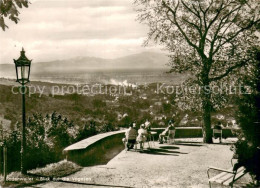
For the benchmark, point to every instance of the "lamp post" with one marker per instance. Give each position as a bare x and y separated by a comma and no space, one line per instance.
22,67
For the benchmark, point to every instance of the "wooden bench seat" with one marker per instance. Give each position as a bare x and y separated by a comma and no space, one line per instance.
226,177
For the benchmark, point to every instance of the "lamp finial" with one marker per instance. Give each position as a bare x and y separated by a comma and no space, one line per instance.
22,52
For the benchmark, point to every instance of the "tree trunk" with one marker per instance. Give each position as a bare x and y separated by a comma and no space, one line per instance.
206,107
206,115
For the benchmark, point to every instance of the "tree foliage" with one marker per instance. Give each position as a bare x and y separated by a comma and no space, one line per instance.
87,131
247,147
9,8
47,136
12,140
211,39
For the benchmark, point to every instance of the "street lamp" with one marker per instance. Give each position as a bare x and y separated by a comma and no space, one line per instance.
23,67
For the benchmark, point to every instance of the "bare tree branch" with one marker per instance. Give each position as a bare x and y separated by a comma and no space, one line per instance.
189,9
216,16
229,70
194,25
251,24
177,24
181,30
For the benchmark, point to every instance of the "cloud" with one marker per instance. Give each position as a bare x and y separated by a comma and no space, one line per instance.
81,3
55,29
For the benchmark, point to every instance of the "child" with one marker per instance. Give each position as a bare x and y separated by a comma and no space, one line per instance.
141,138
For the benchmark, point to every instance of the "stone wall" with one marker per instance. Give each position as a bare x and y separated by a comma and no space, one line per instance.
98,153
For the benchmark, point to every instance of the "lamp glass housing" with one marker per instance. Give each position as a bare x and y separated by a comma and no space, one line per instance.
22,66
23,72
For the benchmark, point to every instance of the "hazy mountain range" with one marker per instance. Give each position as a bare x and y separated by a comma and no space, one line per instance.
145,60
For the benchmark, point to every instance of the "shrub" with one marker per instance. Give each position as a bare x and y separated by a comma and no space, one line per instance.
87,131
247,147
47,137
13,144
107,127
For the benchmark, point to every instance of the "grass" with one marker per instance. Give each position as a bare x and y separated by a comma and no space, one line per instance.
39,175
60,169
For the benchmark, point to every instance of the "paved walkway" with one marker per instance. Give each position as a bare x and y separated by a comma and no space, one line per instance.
183,164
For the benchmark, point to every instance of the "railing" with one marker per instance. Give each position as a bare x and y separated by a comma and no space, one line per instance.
194,132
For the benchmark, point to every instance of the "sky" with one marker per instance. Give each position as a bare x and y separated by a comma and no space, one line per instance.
62,29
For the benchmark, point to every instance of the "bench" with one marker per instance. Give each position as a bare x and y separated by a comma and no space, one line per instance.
217,132
135,144
226,177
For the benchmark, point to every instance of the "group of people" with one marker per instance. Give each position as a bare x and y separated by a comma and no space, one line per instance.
143,134
134,136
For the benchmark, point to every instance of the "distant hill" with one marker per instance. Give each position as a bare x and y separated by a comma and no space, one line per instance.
145,60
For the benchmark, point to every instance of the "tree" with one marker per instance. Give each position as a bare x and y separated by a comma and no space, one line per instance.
209,38
9,8
247,148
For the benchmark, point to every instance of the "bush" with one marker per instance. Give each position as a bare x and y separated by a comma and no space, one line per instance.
87,131
247,147
107,127
13,144
46,138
